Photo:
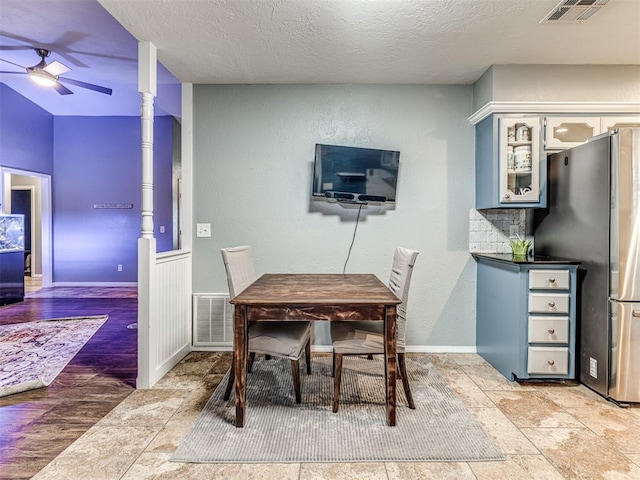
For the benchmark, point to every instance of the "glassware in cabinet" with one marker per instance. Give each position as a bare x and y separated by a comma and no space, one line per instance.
519,159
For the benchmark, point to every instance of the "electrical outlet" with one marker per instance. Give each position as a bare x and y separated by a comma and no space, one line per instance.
161,228
119,267
203,230
513,230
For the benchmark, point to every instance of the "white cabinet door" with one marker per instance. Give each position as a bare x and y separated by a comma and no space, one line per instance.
609,124
519,159
566,132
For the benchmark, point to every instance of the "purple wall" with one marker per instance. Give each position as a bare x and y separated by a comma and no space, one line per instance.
92,160
26,133
97,160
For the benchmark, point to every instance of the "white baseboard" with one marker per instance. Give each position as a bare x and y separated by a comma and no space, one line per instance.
441,349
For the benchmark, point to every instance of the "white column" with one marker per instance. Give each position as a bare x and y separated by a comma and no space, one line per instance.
147,330
147,165
147,85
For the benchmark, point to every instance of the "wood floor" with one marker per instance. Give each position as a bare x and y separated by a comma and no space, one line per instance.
36,426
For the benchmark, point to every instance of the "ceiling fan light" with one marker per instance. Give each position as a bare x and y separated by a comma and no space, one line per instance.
42,78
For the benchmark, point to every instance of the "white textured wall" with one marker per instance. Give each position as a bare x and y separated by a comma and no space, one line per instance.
253,153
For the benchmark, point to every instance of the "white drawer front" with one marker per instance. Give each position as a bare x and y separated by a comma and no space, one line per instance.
549,279
548,360
548,329
549,303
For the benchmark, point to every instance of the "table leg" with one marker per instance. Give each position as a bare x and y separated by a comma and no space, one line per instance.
390,365
240,360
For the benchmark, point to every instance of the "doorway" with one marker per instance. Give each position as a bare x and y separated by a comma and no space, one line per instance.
23,203
38,187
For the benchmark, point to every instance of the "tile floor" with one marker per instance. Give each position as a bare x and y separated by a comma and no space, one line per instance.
546,431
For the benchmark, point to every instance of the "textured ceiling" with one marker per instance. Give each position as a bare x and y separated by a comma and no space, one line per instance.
302,41
383,41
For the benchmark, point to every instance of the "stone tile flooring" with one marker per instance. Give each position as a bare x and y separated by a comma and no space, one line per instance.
547,431
94,425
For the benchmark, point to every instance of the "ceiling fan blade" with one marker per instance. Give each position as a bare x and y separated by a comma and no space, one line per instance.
15,47
19,73
90,86
56,68
61,89
7,61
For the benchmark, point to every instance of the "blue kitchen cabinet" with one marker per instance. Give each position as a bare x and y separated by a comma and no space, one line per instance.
526,316
511,167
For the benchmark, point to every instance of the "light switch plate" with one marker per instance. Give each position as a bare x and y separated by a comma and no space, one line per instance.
203,229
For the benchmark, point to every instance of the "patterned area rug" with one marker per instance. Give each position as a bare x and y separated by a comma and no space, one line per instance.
277,430
32,354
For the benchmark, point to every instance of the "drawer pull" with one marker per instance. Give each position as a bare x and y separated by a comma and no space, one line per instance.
551,331
552,280
552,304
551,363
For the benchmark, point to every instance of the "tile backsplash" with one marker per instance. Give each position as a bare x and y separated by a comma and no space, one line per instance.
489,230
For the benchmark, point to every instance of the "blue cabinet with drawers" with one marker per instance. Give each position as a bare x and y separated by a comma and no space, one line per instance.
526,315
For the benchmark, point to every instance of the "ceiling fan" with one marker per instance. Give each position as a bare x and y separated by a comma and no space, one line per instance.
48,75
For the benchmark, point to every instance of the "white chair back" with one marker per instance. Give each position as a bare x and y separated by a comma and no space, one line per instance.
399,281
238,263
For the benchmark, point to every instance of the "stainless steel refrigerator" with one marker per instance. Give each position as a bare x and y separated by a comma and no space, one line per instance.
593,216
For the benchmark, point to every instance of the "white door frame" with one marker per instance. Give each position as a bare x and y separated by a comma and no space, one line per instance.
46,211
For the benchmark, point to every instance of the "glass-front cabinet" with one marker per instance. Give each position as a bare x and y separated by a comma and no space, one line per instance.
519,153
510,172
609,124
566,132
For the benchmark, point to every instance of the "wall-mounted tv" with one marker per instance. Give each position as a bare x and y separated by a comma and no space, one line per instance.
354,174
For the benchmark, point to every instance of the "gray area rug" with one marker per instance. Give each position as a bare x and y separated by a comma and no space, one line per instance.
277,430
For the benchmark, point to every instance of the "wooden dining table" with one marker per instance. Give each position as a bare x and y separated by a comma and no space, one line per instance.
323,297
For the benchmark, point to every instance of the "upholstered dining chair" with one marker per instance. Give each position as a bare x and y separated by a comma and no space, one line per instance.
287,339
366,337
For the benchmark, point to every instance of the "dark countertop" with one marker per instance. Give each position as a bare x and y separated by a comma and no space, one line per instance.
529,259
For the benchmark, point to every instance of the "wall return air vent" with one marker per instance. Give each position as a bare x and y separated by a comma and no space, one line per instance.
573,11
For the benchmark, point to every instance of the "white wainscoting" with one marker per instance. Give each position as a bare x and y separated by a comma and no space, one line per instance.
164,318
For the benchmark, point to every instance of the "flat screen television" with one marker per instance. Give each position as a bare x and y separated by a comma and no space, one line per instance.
354,174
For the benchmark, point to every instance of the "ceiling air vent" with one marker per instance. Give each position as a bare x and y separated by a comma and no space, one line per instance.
573,11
